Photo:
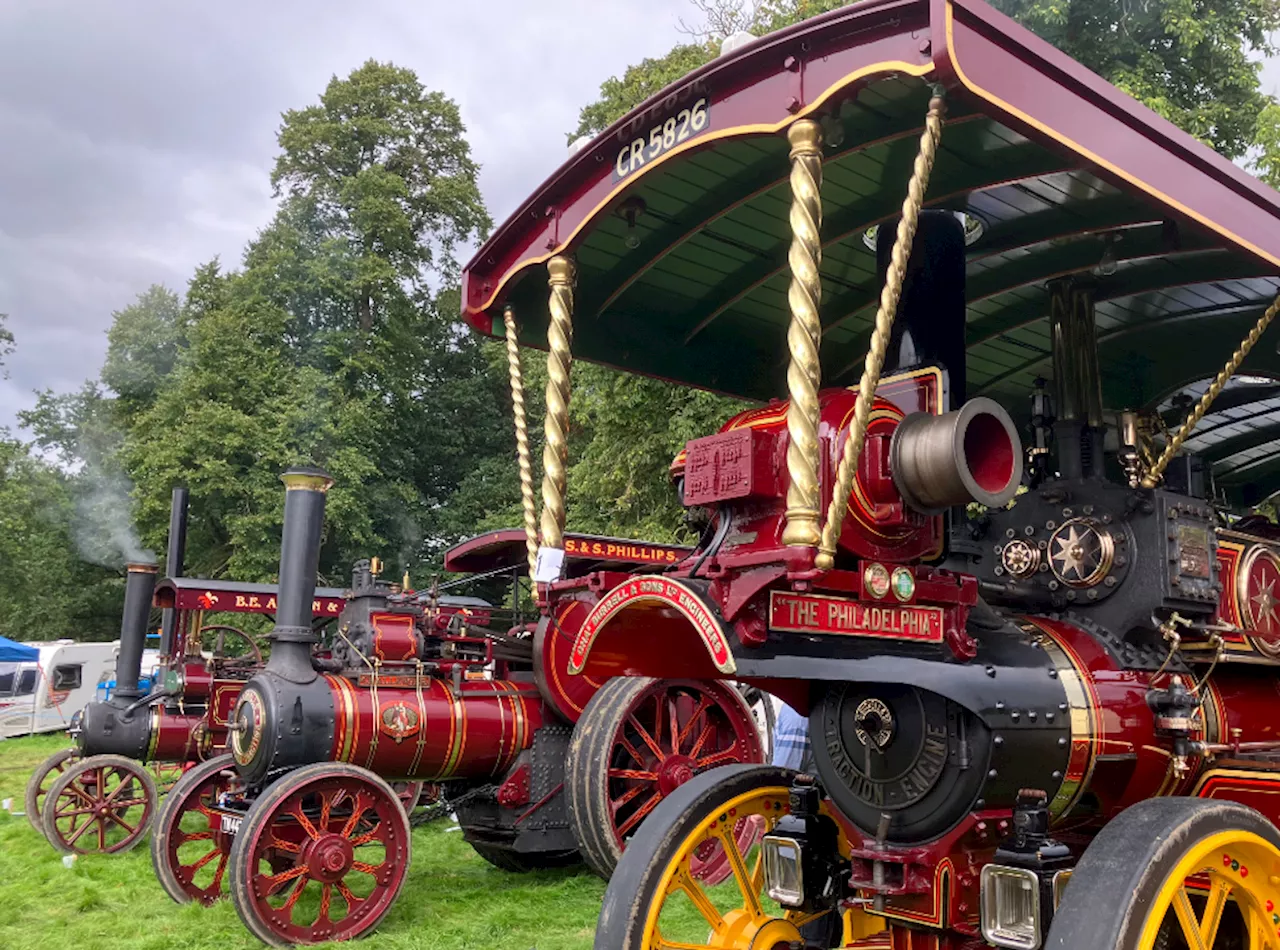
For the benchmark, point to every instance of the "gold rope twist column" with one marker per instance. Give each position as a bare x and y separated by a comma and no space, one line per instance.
555,447
889,297
1152,478
522,439
804,373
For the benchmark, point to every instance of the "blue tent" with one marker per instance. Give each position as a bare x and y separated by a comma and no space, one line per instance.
12,651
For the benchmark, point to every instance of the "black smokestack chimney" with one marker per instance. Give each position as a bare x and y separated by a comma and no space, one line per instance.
930,325
293,637
174,565
140,585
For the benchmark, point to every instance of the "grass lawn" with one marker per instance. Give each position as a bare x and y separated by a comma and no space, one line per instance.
453,900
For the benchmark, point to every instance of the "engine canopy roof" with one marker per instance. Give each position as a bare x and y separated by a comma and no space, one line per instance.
680,231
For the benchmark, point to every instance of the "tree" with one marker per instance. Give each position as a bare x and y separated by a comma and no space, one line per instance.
336,344
6,341
387,172
142,347
46,590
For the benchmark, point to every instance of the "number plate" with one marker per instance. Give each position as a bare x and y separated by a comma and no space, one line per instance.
231,824
817,613
662,138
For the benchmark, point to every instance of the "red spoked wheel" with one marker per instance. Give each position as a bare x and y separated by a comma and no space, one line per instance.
409,793
322,855
100,805
42,780
190,844
166,775
640,739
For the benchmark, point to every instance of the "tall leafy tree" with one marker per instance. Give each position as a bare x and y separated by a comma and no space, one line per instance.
336,343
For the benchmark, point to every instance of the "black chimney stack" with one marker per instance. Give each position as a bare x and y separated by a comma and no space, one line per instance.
140,585
930,323
293,636
174,565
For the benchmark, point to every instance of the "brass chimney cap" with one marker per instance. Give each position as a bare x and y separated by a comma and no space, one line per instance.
307,478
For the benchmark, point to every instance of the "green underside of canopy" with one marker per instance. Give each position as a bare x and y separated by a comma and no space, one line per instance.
696,289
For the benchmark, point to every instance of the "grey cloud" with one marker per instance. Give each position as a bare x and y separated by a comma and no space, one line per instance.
139,134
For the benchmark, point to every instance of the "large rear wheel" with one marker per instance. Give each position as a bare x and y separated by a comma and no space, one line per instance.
656,902
42,779
322,855
100,805
1172,873
637,741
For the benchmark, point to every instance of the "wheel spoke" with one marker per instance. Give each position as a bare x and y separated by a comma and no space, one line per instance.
326,899
698,897
280,845
638,815
81,830
716,758
665,944
126,782
1187,918
673,723
358,808
632,751
297,812
636,774
350,898
648,739
684,731
213,853
707,732
132,829
366,868
1217,900
274,881
102,834
800,919
294,894
184,837
625,797
746,882
216,886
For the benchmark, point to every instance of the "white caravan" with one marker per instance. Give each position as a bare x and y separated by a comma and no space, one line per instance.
44,695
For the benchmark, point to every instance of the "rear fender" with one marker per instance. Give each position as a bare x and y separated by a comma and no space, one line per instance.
654,626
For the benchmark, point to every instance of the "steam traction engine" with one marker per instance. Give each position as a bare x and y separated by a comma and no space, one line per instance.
1041,684
101,796
298,821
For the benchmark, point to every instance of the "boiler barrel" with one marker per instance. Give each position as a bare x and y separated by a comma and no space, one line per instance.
400,731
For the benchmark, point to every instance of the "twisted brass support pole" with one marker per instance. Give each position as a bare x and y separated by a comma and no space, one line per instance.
555,446
1152,478
889,297
804,373
522,440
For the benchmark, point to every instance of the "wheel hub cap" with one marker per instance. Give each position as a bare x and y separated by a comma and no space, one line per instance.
328,858
674,771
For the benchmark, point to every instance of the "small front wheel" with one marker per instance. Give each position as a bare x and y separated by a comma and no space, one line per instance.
322,855
655,900
100,805
42,779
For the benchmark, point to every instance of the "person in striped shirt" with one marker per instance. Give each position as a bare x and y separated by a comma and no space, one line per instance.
791,749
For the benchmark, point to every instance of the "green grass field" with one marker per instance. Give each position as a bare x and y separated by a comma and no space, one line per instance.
452,901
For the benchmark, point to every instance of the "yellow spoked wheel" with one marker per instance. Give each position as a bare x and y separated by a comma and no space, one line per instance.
656,900
1203,875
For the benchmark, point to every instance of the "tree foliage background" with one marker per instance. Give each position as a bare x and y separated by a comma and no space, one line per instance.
335,339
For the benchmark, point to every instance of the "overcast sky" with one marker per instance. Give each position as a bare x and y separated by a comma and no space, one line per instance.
138,135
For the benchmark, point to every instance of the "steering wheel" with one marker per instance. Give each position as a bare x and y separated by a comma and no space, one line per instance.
252,657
